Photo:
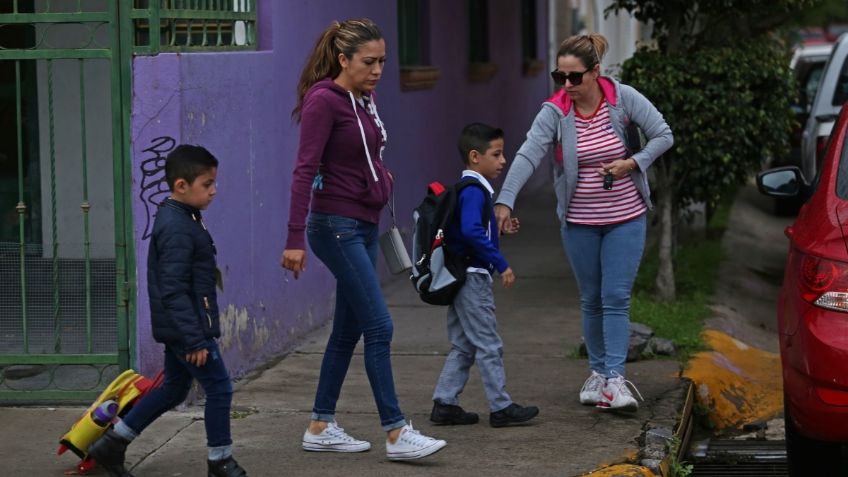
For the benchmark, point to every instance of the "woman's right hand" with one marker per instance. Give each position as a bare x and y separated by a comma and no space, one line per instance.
294,260
503,215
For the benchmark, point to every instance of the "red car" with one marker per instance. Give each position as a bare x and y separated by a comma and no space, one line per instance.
812,312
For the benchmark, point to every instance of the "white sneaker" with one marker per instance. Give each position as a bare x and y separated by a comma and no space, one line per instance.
411,444
591,391
617,397
333,439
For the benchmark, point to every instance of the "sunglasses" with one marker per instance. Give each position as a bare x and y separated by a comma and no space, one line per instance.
575,77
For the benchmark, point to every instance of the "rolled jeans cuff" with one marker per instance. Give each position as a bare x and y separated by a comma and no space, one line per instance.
220,452
394,425
323,417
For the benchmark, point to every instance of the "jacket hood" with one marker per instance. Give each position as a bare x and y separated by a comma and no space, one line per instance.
608,89
329,84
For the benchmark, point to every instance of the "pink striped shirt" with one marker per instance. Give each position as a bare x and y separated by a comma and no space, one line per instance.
591,204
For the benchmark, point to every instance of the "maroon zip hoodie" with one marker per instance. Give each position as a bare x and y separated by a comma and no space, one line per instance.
332,166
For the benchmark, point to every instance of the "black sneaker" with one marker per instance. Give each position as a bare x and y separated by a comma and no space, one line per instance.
225,468
450,415
512,414
109,451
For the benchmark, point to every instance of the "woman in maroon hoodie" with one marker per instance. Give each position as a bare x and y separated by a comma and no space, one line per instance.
340,168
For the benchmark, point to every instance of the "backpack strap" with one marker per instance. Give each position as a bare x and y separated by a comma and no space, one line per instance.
469,181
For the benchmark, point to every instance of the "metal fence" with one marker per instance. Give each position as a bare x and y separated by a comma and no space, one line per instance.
64,223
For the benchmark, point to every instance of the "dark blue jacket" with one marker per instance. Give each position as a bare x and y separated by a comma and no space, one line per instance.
181,278
467,235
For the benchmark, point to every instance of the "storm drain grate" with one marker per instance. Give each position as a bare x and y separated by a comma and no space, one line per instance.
732,458
740,469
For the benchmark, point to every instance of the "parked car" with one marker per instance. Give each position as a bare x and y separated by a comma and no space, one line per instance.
812,311
812,36
807,66
832,92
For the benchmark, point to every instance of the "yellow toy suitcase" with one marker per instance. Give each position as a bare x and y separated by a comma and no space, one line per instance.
124,390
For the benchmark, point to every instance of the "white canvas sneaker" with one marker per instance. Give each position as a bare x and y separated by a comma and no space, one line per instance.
333,439
617,397
591,391
411,444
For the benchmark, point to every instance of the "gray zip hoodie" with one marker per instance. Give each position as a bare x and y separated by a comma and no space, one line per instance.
554,126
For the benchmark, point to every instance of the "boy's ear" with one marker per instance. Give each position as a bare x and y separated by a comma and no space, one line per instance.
473,156
180,185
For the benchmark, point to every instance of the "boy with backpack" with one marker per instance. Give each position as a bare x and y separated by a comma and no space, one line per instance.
472,234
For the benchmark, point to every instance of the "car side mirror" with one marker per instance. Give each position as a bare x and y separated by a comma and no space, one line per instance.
781,182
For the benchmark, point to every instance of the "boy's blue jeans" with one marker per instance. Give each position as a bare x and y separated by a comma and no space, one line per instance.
348,247
214,379
605,259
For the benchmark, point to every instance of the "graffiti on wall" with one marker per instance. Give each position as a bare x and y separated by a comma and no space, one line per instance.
154,187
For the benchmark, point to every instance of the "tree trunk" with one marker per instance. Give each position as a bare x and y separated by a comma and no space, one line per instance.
665,206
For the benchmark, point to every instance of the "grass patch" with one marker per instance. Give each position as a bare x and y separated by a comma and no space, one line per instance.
696,269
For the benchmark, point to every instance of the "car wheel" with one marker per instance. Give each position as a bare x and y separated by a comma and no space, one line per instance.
809,457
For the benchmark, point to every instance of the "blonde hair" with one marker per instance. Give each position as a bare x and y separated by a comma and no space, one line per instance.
589,49
339,38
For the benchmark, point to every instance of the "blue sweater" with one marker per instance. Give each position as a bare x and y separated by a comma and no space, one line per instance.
466,234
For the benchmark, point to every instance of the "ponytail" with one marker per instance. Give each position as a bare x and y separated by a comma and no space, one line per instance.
322,63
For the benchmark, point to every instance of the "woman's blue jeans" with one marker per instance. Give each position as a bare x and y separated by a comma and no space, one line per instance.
348,247
605,259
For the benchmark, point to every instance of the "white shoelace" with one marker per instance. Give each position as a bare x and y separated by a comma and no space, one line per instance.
333,430
622,383
595,383
414,437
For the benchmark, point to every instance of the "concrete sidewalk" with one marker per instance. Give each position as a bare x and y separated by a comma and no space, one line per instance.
539,321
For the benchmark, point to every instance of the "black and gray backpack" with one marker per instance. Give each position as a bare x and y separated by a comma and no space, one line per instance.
437,273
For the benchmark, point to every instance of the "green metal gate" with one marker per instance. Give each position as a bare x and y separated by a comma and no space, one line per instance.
66,255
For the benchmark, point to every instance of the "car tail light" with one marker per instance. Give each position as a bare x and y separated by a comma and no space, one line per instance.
824,282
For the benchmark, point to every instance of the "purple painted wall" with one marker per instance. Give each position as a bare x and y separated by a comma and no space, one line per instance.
237,105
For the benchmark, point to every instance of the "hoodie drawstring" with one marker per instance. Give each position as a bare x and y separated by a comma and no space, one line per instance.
364,142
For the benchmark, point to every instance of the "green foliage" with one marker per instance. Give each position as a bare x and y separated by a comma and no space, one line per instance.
826,12
682,320
728,108
677,468
686,25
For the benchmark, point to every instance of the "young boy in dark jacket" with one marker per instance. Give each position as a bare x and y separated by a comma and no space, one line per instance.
472,325
184,316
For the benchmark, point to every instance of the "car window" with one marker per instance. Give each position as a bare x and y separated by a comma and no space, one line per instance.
842,174
840,93
809,88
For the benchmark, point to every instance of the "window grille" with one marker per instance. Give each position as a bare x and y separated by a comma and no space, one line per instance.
193,25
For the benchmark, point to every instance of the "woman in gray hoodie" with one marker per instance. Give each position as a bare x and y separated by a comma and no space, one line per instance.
601,185
340,174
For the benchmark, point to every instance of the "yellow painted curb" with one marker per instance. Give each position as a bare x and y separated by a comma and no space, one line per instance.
622,470
737,383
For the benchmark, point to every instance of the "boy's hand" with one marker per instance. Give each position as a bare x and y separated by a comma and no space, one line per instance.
198,357
294,260
514,225
507,278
